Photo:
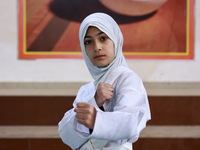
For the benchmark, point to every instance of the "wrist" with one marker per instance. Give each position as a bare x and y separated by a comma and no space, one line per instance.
97,101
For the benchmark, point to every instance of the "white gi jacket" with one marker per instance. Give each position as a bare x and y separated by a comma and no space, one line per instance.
119,126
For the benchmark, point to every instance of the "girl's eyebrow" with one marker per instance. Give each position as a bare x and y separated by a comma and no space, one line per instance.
88,36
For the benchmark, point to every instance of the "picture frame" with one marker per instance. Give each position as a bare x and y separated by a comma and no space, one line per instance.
44,31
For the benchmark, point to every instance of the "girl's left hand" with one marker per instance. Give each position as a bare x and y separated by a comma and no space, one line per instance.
104,93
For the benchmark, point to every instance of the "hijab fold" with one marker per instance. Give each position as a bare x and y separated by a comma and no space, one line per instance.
106,24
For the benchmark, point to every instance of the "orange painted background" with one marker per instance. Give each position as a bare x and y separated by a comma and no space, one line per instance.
49,29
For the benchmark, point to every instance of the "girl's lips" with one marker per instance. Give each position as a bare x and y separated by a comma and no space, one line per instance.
99,57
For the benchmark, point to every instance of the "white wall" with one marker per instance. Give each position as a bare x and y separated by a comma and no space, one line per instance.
61,76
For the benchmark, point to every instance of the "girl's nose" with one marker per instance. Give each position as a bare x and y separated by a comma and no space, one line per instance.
97,46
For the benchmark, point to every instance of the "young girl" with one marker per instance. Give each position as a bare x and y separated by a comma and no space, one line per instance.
109,112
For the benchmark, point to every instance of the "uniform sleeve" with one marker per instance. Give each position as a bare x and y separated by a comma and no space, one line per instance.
68,133
71,132
129,114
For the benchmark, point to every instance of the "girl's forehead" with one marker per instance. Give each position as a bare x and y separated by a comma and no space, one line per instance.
92,30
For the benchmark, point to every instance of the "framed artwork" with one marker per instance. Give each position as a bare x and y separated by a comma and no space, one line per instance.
152,29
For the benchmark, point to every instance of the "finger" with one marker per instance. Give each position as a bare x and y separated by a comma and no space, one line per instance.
81,121
81,110
107,92
104,85
82,105
110,89
108,86
107,98
80,116
107,95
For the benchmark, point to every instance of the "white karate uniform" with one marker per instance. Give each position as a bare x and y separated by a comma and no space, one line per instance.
119,125
125,114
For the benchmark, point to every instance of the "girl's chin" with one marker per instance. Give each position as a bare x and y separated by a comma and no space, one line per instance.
102,66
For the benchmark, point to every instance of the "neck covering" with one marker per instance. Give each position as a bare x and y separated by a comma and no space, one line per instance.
106,24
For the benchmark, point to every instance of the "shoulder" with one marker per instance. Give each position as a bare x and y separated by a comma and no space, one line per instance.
130,80
128,74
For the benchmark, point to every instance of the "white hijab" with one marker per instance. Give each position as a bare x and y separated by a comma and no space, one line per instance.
106,24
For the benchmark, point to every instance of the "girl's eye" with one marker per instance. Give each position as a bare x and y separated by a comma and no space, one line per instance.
103,38
87,42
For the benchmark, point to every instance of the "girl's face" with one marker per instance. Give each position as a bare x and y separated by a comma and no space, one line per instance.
99,47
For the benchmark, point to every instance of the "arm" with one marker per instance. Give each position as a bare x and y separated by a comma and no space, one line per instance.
86,112
129,114
68,133
70,130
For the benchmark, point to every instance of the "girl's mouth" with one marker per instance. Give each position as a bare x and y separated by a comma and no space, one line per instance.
99,57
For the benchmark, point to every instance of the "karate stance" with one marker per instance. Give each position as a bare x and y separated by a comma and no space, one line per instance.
110,111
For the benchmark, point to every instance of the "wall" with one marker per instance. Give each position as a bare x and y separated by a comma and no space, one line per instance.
29,113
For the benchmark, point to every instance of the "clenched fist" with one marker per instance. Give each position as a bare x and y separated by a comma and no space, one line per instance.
86,114
104,92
